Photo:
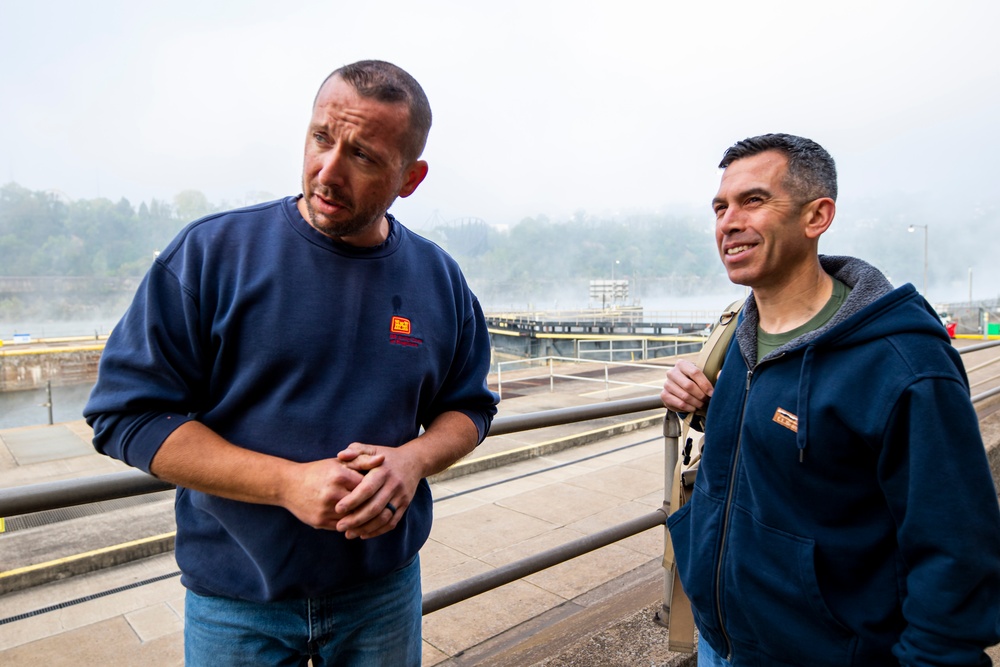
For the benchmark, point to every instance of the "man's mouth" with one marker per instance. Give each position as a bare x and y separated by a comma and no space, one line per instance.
329,202
735,250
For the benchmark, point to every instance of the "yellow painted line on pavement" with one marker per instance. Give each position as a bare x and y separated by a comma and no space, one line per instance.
54,350
88,554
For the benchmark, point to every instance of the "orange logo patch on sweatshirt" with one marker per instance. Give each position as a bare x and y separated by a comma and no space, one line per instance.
399,333
400,325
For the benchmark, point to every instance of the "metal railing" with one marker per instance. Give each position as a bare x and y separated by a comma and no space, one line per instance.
110,486
976,398
68,493
552,375
53,495
645,347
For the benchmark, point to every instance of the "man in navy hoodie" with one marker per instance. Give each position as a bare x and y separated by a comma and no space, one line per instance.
844,512
298,368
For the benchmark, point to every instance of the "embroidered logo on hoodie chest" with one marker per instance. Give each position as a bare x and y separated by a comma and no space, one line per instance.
786,419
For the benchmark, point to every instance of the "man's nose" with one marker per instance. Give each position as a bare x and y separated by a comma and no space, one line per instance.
331,167
731,219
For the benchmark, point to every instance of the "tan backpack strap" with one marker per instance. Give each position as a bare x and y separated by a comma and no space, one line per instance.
713,352
711,355
680,626
680,630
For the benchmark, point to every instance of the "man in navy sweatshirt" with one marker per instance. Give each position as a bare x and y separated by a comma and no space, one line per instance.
844,512
298,368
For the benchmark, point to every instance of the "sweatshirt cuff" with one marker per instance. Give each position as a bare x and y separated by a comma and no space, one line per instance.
146,436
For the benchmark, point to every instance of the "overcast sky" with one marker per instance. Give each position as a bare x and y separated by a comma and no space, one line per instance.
539,107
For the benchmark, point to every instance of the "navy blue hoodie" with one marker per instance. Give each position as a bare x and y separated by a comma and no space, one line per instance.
844,512
286,342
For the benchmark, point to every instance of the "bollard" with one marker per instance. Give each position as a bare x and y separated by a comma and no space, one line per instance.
48,401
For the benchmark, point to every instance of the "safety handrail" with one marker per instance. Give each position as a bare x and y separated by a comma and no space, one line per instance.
80,491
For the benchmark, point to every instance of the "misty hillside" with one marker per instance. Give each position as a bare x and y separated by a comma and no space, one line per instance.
539,263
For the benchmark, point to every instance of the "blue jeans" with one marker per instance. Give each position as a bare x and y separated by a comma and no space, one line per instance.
375,624
707,657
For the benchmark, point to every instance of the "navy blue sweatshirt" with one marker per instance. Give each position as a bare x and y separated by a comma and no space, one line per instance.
844,512
286,342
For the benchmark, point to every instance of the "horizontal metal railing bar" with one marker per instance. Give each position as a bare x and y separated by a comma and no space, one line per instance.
579,378
83,490
975,348
79,491
609,381
559,376
986,394
978,346
505,574
575,360
533,420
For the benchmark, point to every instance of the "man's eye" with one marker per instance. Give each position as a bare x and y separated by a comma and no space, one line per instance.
319,138
719,210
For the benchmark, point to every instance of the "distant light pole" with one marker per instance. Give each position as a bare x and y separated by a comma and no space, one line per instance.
970,285
912,228
614,289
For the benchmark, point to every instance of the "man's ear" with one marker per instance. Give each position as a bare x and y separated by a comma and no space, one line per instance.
415,175
818,215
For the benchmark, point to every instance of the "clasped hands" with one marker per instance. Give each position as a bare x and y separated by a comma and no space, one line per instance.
362,493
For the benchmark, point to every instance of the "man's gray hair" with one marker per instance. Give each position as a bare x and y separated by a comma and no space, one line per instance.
812,172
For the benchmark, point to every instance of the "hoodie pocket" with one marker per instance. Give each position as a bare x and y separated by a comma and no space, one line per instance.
772,597
696,552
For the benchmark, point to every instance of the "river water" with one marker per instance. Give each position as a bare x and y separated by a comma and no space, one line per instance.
27,408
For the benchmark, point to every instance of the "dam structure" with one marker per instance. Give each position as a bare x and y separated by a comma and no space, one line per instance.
609,334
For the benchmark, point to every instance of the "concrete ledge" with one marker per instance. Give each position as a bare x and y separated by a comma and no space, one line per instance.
469,466
98,559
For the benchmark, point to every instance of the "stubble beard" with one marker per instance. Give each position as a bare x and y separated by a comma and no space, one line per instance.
358,223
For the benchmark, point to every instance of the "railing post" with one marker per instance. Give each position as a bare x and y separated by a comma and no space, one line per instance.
499,381
552,379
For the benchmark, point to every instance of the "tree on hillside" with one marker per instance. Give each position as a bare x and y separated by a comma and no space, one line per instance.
27,221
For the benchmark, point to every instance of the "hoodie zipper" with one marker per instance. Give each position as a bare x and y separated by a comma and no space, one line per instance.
725,523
